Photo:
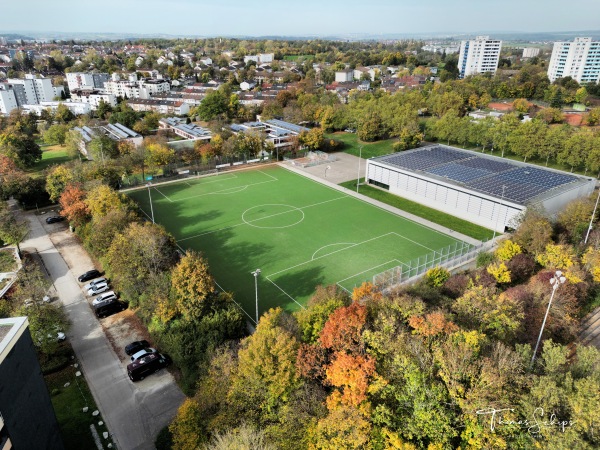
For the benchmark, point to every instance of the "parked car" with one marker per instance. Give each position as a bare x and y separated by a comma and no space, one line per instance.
140,369
109,308
105,297
54,219
89,275
98,288
136,346
95,282
142,353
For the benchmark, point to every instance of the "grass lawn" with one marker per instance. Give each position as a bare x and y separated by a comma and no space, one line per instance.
369,149
68,405
433,215
298,232
51,154
7,261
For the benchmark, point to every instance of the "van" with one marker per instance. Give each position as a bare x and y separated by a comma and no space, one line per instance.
109,308
140,369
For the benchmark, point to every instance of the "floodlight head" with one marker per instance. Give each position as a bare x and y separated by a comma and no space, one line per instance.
562,280
552,280
256,273
558,274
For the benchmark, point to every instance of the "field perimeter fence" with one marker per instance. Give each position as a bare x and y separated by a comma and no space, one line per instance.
311,159
448,257
181,169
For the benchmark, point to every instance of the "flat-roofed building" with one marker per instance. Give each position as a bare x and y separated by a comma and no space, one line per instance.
486,190
185,130
27,418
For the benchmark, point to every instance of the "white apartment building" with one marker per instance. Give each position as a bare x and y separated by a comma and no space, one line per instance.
80,80
76,108
35,90
343,76
530,52
480,55
93,97
579,59
143,89
261,58
8,100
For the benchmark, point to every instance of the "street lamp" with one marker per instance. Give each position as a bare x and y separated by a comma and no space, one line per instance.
358,176
555,281
326,169
149,185
256,273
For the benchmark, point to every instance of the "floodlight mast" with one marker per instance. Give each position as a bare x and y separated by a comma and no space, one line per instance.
149,185
256,273
587,235
358,176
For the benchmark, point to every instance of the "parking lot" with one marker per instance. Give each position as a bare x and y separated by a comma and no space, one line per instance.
134,412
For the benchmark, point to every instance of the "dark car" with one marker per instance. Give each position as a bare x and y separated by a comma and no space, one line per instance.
88,275
109,308
140,369
136,346
54,219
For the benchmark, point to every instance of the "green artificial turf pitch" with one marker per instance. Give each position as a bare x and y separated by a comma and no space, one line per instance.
300,233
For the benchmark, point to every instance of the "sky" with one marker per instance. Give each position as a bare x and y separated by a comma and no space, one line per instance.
298,18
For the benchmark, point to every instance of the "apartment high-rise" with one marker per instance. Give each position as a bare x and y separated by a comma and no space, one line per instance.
479,55
579,59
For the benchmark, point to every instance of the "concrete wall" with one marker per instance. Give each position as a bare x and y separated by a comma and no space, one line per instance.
475,207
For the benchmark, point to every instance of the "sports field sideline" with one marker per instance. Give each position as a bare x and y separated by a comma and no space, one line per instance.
300,233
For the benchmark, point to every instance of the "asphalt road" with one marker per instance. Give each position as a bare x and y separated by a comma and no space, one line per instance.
134,413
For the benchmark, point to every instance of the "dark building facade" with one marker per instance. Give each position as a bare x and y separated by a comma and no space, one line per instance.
29,421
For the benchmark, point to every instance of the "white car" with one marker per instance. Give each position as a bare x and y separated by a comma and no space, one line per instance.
142,353
105,297
91,284
98,289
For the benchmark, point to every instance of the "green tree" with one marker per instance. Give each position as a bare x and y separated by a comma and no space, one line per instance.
57,180
63,114
12,230
56,134
215,104
20,148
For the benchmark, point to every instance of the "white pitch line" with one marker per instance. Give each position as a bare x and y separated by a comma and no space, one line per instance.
371,268
414,242
336,251
329,245
239,306
222,191
155,188
261,218
264,173
292,298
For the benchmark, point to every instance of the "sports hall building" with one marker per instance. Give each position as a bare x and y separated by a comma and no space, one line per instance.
486,190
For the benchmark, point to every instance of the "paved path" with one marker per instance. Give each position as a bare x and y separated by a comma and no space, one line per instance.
134,413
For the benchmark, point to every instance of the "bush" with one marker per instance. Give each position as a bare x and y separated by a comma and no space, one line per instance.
437,276
456,285
521,267
484,258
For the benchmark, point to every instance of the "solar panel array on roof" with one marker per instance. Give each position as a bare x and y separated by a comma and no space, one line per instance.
126,130
486,175
429,157
458,172
288,126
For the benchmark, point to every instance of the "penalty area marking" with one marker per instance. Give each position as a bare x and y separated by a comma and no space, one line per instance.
330,245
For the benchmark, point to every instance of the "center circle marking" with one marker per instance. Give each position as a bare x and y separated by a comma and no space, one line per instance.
291,209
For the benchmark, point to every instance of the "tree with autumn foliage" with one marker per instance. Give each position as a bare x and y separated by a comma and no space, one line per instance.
343,330
266,375
192,284
73,205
